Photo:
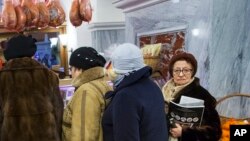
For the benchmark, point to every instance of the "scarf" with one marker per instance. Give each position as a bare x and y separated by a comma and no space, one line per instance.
169,91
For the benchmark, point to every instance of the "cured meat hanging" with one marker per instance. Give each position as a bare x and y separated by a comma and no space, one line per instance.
44,16
85,10
80,10
9,15
20,16
32,13
74,14
57,14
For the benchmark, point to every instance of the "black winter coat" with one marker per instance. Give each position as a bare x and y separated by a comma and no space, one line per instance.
210,130
136,112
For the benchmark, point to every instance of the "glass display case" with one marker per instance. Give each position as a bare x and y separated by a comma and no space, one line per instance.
66,89
53,54
67,92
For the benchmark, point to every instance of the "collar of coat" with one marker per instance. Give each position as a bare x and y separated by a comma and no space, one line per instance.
134,77
130,79
88,75
170,90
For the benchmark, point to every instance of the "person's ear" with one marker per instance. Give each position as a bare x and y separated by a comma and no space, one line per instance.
111,74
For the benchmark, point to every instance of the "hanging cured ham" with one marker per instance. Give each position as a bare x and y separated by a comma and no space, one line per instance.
74,14
32,13
9,15
20,16
57,14
44,16
85,10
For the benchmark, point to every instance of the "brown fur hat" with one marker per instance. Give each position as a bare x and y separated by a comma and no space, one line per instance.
20,46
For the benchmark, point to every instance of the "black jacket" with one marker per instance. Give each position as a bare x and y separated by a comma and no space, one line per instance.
136,112
210,130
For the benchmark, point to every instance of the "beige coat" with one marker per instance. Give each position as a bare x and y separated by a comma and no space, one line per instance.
83,114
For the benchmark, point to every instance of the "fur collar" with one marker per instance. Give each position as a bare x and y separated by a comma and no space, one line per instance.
169,90
87,76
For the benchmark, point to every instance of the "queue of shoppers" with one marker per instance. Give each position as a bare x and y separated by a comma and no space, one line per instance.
133,108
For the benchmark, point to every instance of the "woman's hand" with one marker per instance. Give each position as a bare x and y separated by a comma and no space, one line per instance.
176,132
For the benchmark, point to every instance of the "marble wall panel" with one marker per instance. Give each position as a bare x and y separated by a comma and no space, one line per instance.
221,43
103,39
171,43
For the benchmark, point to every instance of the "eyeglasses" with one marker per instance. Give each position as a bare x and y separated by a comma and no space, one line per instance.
184,71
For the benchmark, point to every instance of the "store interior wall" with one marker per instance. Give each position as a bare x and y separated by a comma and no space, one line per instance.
103,11
218,34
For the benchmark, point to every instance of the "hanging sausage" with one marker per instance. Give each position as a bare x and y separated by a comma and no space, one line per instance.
74,14
57,14
9,15
20,16
44,16
85,10
32,13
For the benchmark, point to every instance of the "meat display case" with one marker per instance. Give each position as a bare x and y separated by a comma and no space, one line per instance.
66,90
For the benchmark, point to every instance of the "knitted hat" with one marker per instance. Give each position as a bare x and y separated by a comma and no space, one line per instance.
183,56
126,58
86,58
20,46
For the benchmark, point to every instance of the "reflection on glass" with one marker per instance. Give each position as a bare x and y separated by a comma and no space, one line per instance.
48,52
67,92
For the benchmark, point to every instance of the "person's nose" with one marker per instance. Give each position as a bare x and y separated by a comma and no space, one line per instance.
181,73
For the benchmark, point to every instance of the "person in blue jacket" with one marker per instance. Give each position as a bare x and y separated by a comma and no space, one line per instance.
136,110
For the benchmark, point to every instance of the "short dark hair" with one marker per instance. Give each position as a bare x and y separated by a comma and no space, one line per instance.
183,56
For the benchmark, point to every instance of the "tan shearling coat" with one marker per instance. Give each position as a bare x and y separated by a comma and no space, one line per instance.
83,114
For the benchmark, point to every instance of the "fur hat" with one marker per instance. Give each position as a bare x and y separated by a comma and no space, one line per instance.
127,57
183,56
86,58
20,46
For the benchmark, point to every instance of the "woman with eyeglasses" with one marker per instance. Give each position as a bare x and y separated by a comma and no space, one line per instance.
182,69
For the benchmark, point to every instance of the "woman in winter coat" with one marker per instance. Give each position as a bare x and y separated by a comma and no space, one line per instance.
82,115
182,68
136,110
31,105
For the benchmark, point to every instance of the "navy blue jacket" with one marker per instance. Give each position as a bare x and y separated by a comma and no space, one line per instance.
136,112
